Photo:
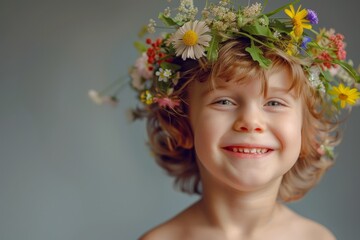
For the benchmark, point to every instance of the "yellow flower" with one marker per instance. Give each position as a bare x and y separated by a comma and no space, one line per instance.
345,95
298,19
291,49
146,97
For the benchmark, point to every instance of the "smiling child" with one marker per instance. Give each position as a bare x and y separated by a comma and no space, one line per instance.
242,108
250,143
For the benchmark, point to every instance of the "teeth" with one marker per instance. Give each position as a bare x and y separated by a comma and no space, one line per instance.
250,150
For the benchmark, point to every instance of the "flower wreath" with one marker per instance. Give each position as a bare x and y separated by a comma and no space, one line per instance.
155,73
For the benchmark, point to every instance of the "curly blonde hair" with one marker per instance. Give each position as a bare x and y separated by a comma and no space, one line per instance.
171,137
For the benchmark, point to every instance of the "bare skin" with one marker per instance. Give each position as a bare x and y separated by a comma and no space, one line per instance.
224,213
193,223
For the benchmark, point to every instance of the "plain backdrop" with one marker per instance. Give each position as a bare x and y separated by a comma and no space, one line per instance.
70,169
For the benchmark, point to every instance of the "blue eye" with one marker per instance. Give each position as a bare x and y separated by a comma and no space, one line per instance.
274,104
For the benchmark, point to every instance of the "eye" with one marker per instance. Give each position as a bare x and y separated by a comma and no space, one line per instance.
274,103
224,102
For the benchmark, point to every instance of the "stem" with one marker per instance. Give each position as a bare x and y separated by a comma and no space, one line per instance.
256,40
117,84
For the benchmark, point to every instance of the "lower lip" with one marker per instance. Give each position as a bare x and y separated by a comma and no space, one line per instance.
241,155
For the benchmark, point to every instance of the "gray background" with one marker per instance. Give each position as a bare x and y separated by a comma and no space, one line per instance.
72,170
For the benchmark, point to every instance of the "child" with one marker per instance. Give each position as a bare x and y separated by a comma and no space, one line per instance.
241,108
248,137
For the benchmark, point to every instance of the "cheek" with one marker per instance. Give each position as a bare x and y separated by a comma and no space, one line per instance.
208,130
205,131
292,135
288,130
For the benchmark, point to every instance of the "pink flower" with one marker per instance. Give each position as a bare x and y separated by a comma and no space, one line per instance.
142,67
341,54
167,102
337,41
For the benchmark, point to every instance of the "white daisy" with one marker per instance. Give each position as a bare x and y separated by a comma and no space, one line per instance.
191,39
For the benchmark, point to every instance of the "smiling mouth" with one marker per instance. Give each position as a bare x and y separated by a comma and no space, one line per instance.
245,150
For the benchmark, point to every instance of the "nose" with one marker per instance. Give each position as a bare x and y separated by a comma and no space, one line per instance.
250,119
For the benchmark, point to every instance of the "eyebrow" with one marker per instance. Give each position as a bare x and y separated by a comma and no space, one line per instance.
270,89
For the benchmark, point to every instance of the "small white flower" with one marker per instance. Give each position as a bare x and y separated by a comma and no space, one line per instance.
277,34
187,11
167,12
191,39
163,75
252,11
151,26
314,78
205,13
220,26
224,2
230,17
96,97
262,22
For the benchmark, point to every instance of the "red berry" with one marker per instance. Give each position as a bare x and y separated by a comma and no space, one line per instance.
158,41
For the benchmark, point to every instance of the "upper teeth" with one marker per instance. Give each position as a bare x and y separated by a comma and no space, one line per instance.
250,150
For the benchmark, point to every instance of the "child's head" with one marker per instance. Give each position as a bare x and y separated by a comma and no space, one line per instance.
172,133
240,48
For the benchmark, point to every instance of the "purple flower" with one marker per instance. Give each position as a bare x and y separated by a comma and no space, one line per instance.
305,41
312,16
304,44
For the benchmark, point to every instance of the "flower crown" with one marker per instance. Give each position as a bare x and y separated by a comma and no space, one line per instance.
156,73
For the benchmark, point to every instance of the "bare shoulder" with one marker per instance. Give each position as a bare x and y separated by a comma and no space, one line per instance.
306,228
176,228
163,231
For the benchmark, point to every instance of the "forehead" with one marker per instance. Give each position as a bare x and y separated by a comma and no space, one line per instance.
276,78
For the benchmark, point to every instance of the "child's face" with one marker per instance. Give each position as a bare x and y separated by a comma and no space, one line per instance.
243,138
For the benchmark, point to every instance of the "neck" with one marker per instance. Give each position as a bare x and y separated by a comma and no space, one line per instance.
238,212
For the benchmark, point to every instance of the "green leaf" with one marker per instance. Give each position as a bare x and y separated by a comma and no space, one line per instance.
257,55
171,66
349,69
239,19
281,8
257,29
140,47
213,49
166,20
280,26
328,79
143,31
264,4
